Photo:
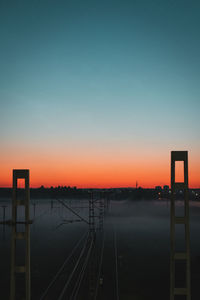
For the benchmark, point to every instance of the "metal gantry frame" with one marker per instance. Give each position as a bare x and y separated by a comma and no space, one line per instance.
92,237
91,218
184,220
25,235
101,213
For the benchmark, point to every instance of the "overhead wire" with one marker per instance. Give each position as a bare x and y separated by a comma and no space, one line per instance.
81,276
72,273
100,266
69,208
62,267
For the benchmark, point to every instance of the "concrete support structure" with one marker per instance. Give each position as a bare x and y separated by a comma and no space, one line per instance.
184,220
4,221
25,235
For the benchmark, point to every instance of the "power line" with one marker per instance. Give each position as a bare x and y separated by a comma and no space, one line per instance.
62,267
72,273
100,266
80,278
65,205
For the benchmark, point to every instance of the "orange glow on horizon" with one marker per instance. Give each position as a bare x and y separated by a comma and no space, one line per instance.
94,168
108,175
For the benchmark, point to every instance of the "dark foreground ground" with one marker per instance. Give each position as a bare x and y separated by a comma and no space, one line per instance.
136,252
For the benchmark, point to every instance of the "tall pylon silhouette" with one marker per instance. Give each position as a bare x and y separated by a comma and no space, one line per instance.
184,220
24,200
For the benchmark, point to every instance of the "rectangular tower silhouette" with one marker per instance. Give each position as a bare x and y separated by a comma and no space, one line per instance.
183,257
22,200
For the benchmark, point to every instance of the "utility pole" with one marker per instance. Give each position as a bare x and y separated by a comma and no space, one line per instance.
24,201
184,220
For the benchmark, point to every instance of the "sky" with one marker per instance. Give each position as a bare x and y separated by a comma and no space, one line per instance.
97,93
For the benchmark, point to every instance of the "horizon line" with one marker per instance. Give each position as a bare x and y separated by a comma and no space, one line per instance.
100,187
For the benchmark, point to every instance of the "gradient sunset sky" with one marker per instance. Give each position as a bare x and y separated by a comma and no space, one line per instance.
97,93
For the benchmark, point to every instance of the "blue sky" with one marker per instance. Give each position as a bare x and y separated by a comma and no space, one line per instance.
109,74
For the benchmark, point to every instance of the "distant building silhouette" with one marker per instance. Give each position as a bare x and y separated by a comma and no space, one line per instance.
158,188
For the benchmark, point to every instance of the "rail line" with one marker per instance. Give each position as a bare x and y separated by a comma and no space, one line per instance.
53,281
62,294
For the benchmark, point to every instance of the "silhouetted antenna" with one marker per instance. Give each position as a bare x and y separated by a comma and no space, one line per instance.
136,185
184,220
